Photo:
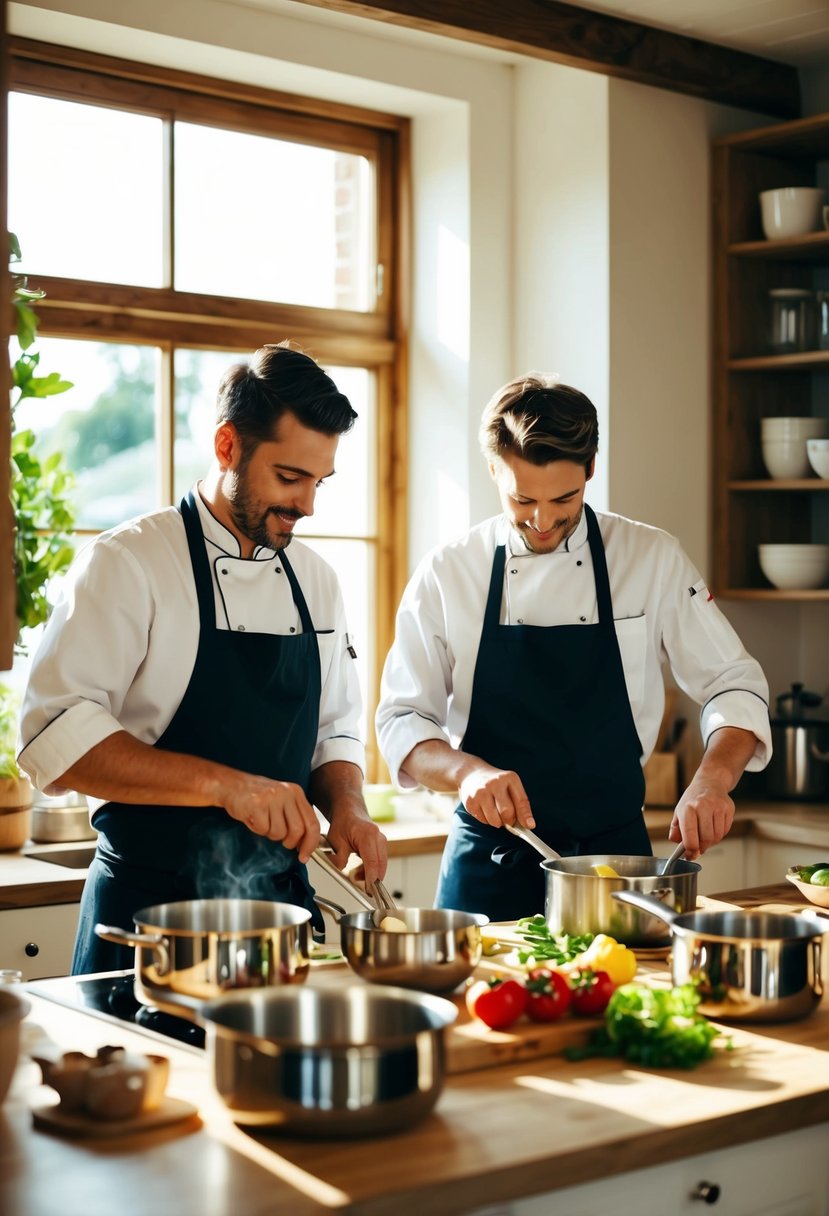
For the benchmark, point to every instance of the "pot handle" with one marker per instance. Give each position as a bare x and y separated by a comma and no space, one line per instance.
328,905
153,941
320,856
646,903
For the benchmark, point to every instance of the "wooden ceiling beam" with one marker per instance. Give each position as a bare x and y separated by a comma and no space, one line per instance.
582,38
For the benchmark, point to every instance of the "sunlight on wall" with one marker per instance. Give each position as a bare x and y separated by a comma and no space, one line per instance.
452,290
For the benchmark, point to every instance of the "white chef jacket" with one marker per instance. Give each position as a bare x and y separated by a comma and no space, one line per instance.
120,646
662,612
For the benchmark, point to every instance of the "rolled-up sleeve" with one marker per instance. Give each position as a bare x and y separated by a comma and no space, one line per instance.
91,649
709,662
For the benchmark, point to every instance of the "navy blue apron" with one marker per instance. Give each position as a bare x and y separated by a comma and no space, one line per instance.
551,704
252,703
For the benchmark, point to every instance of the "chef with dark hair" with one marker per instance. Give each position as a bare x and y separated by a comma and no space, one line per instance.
526,671
198,683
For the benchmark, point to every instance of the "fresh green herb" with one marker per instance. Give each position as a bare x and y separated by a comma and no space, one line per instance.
548,947
657,1027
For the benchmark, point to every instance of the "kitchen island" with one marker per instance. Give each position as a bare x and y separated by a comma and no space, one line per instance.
498,1136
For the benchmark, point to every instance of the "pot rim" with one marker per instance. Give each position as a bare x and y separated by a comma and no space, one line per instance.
149,919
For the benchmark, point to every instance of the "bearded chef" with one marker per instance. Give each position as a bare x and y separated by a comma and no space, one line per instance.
199,684
526,670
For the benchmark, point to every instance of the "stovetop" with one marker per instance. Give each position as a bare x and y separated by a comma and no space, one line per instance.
111,996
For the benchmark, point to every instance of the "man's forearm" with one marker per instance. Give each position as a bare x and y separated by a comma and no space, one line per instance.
728,752
122,769
337,787
438,766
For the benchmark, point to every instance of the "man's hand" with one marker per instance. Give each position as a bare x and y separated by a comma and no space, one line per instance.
276,809
705,812
495,797
351,834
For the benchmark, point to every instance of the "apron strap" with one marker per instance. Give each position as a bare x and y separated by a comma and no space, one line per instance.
604,600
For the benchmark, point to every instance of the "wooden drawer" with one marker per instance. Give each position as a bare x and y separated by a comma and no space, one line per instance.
38,941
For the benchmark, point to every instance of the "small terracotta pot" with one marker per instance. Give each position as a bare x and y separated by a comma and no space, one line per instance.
15,812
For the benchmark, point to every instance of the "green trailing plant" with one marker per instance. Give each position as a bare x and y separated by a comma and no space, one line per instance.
41,489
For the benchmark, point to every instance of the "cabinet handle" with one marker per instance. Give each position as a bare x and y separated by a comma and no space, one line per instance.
707,1192
397,895
32,949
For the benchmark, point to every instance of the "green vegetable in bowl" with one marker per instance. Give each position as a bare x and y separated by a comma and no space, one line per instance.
806,873
820,878
657,1027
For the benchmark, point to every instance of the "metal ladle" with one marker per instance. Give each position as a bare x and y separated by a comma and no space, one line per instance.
537,843
677,854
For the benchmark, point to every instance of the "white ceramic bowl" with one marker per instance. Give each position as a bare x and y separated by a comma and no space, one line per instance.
794,428
785,458
815,895
790,211
795,567
818,452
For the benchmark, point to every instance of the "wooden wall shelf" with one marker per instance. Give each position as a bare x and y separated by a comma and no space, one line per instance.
749,508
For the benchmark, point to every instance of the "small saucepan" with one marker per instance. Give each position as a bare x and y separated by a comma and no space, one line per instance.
329,1061
197,949
748,966
577,900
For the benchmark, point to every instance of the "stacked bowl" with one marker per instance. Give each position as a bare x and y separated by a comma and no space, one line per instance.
795,567
784,441
818,453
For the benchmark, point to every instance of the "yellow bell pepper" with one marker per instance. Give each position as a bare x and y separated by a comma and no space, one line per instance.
606,954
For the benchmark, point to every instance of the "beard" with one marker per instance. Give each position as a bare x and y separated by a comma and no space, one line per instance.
255,523
562,529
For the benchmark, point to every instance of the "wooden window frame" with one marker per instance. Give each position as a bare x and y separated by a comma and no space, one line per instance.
166,318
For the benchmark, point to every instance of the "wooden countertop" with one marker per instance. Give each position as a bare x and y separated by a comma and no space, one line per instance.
27,883
495,1135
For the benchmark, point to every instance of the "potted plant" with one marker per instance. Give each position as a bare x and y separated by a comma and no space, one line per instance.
43,517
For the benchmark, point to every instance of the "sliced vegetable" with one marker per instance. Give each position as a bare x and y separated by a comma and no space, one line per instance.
606,954
549,995
545,946
603,871
657,1027
591,991
497,1002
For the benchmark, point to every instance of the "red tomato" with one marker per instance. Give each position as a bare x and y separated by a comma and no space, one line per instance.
591,991
496,1002
549,995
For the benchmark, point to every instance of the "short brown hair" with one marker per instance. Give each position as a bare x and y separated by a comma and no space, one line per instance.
540,420
281,378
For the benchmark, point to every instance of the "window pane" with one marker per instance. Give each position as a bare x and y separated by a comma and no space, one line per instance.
105,426
86,191
354,562
197,376
264,219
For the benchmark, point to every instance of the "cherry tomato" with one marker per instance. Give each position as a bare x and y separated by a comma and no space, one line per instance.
496,1002
549,995
591,990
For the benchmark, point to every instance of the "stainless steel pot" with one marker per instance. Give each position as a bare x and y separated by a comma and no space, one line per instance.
439,949
578,901
748,966
194,950
56,824
350,1061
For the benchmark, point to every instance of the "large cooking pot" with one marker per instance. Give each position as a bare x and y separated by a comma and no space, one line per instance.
748,966
194,950
799,764
344,1061
439,949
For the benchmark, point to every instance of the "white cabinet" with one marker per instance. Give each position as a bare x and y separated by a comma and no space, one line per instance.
38,941
782,1176
768,860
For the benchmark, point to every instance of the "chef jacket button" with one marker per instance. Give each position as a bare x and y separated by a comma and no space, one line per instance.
582,618
241,628
293,630
578,563
278,569
513,571
224,571
520,620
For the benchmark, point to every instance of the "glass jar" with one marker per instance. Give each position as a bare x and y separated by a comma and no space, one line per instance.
792,311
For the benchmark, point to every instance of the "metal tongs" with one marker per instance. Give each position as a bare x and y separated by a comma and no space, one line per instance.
382,905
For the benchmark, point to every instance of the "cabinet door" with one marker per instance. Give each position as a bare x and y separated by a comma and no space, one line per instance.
723,867
768,860
38,941
782,1176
